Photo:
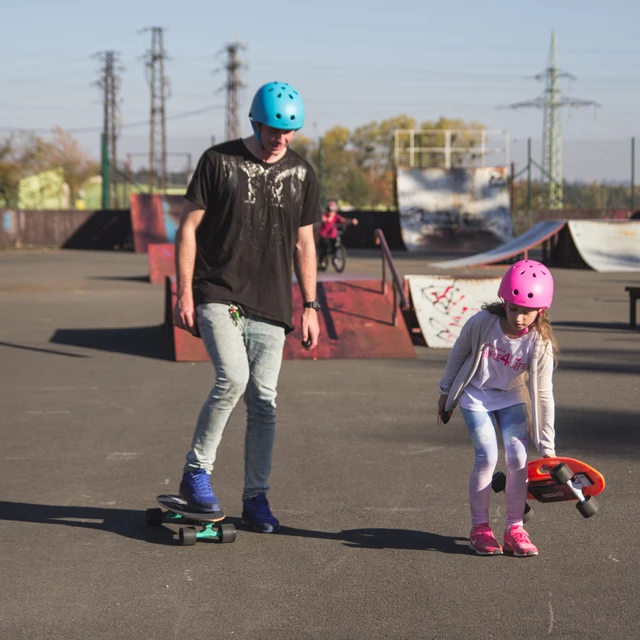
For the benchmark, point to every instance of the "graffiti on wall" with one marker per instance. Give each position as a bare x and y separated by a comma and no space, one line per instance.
453,205
443,304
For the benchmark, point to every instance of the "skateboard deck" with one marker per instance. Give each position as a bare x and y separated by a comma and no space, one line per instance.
178,512
544,487
559,479
178,505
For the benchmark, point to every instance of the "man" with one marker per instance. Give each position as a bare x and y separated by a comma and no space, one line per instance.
250,209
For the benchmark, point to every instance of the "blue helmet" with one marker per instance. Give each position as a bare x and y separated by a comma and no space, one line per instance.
278,105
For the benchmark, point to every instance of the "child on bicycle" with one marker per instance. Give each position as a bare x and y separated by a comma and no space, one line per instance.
328,231
501,364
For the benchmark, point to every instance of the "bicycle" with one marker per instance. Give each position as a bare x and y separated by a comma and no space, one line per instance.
332,249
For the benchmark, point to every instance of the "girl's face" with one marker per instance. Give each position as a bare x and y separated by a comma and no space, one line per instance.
521,317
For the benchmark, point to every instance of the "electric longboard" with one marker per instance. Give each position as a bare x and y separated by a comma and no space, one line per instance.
178,512
559,480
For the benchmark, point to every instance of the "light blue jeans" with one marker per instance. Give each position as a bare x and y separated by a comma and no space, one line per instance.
512,422
246,354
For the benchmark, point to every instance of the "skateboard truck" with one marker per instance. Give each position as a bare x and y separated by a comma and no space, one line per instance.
177,513
562,474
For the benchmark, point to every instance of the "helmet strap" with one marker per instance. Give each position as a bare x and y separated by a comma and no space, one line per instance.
256,132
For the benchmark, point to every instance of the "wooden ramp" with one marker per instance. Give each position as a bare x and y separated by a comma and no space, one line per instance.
357,320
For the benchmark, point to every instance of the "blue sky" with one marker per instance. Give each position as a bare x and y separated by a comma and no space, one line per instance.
353,62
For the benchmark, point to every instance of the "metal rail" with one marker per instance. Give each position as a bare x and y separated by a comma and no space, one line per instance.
396,280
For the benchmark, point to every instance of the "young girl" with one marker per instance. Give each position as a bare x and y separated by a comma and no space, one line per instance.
501,364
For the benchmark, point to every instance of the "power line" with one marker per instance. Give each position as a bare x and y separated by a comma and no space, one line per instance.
176,116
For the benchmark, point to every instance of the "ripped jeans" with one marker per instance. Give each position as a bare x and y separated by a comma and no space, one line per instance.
512,422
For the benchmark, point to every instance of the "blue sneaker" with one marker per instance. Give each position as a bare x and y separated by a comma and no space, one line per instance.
196,489
257,514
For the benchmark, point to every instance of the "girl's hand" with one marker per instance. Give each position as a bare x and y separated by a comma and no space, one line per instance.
443,416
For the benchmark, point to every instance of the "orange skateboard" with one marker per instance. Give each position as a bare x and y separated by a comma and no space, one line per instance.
558,480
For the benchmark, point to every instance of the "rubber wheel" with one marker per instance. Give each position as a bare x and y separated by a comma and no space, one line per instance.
499,481
588,507
340,259
188,536
153,517
227,533
322,266
528,512
561,473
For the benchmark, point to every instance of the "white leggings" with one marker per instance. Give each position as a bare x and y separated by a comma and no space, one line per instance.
512,422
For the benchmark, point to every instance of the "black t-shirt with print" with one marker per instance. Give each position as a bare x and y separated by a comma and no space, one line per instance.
246,239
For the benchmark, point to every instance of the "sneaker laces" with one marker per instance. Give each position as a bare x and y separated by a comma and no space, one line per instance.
202,483
261,508
519,535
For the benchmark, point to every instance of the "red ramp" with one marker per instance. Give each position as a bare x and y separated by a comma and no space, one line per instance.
357,320
161,258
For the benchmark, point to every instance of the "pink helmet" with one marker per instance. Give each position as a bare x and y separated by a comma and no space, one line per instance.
528,284
332,206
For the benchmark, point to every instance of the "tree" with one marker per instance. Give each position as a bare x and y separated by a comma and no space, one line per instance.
21,154
76,164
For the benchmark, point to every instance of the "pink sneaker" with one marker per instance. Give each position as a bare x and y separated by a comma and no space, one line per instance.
483,542
516,541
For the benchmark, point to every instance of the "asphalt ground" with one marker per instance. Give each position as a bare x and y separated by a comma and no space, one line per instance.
372,495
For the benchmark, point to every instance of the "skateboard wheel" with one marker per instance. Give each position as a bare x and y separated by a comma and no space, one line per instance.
498,482
561,473
528,512
227,533
153,517
588,507
188,536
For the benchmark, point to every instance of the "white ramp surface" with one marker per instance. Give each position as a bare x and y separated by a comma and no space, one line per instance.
528,240
607,245
443,304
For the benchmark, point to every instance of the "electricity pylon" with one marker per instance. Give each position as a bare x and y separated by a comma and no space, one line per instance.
110,84
233,83
159,85
551,101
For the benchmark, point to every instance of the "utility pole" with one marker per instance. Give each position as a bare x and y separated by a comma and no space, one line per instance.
110,84
551,101
159,85
233,83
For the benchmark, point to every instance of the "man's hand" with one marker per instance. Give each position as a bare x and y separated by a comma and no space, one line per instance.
184,315
310,328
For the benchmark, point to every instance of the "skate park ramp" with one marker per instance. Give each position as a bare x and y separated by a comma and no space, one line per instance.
154,219
358,319
520,245
603,245
443,304
607,246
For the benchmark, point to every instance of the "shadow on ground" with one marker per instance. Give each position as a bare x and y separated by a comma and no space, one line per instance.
597,432
592,326
147,342
131,524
